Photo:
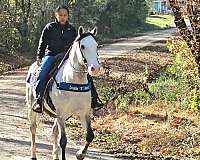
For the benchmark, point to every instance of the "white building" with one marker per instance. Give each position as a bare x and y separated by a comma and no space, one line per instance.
161,6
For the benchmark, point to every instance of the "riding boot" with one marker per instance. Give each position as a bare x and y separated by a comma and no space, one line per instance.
38,105
96,103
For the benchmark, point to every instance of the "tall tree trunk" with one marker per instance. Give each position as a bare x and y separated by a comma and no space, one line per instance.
193,9
192,38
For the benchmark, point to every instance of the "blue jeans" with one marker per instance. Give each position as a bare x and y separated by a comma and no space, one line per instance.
46,66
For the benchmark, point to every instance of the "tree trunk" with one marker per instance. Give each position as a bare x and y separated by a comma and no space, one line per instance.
193,8
192,38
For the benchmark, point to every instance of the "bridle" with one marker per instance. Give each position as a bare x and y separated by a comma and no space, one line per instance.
84,60
78,39
81,47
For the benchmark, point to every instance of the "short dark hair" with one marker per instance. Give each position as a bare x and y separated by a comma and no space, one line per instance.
62,7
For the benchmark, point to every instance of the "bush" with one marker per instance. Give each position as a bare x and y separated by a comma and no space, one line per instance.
137,97
180,81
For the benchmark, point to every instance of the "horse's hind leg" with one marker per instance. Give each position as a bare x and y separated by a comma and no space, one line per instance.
80,155
33,126
55,133
62,135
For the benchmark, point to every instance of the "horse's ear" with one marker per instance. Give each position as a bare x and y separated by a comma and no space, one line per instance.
80,30
94,31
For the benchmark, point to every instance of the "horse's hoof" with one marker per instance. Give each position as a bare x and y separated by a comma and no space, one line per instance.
33,158
80,156
55,157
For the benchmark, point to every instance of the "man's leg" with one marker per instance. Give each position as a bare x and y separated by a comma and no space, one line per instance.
96,102
47,64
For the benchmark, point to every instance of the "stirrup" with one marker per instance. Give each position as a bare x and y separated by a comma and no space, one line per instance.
97,104
38,106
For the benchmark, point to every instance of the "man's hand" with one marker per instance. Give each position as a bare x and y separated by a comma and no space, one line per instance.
38,60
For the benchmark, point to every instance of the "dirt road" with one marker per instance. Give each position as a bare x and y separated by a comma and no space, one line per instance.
14,132
128,44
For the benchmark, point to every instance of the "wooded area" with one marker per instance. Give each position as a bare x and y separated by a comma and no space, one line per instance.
152,96
22,20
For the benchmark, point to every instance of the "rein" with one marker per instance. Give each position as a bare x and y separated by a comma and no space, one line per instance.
84,60
78,39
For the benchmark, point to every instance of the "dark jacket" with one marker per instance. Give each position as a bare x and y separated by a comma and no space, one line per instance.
55,38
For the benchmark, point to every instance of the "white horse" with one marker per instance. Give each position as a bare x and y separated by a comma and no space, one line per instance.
82,60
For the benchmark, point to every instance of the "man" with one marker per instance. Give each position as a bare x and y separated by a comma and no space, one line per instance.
55,40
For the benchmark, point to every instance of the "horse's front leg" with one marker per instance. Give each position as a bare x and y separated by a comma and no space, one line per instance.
55,133
80,155
62,135
33,126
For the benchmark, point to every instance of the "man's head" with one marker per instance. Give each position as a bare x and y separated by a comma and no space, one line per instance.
62,14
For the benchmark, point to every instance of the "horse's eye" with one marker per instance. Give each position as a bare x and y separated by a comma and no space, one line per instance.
82,47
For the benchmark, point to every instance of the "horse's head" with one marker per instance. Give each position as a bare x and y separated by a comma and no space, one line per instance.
87,52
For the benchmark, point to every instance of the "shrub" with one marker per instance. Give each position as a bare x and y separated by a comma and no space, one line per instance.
180,81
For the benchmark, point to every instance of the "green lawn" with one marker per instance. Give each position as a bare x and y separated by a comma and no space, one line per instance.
161,21
153,22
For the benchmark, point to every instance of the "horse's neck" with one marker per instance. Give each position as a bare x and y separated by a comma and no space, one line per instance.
70,71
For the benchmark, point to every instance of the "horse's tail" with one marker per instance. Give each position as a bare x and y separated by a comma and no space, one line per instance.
31,70
29,84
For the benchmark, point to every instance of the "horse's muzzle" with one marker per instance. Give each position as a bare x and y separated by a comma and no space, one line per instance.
94,69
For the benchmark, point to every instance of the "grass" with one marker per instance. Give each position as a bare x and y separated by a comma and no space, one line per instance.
153,22
157,129
170,89
161,21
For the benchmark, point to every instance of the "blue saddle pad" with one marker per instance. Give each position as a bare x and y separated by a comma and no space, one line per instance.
74,87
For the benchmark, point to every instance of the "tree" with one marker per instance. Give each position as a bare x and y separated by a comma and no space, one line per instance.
119,15
23,20
192,11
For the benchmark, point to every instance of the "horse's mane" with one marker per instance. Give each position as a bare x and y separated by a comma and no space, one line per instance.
80,37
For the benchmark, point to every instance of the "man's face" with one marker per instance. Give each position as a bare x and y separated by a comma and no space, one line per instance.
62,16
